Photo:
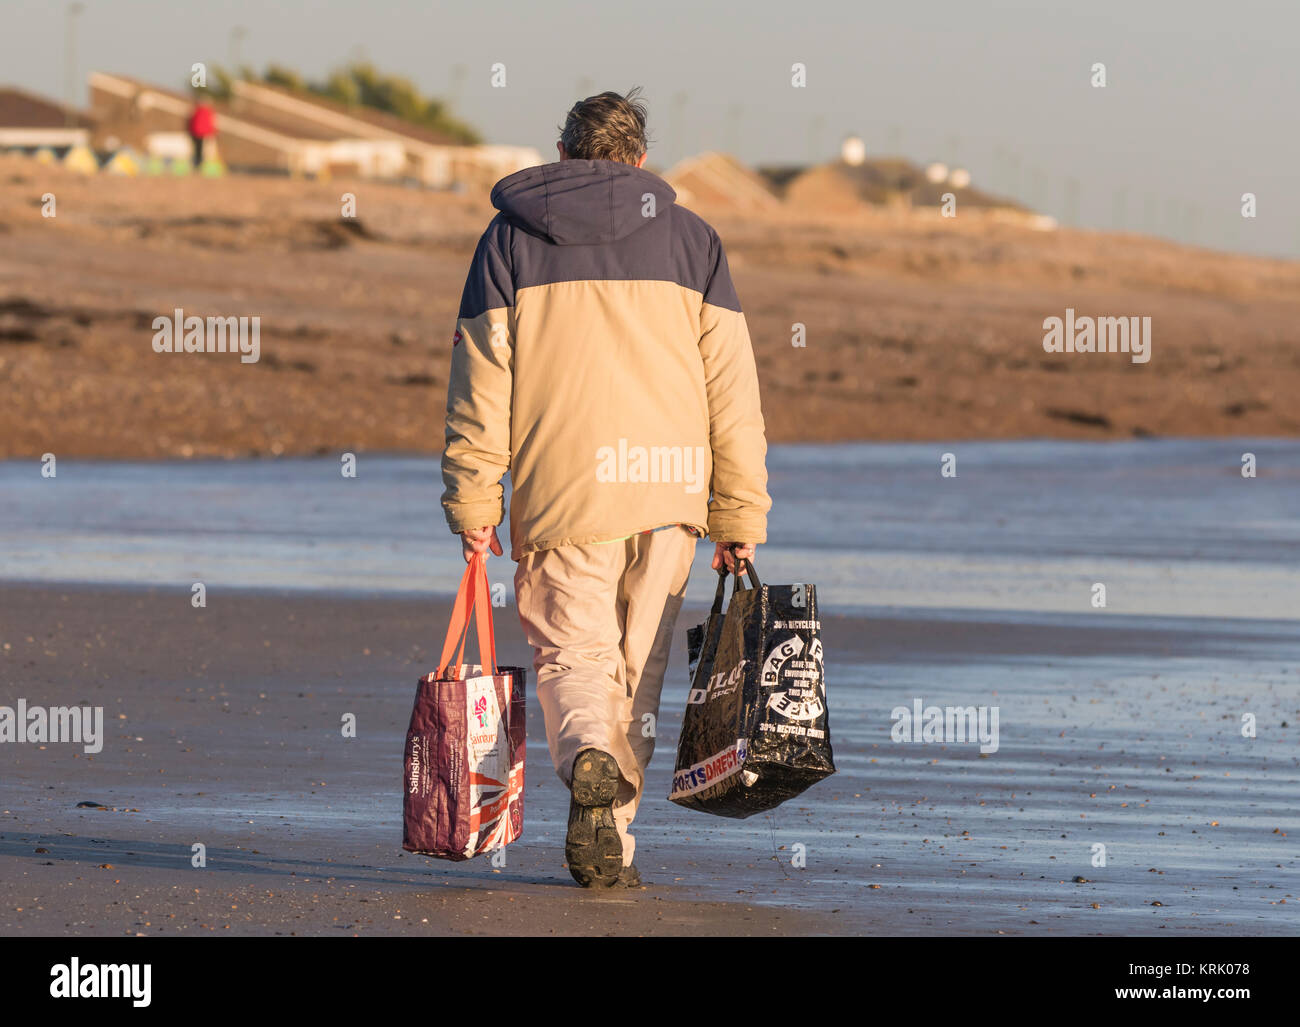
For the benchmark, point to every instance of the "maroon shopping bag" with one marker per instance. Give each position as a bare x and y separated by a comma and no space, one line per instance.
464,780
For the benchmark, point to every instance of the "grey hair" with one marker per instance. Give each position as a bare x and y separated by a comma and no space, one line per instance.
606,126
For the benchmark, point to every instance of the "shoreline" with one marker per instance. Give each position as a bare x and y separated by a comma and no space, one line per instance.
222,729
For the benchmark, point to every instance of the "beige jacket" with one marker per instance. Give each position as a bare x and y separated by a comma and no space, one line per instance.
602,359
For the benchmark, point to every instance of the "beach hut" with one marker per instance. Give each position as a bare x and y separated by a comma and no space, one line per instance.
155,120
122,162
29,123
375,144
81,159
213,166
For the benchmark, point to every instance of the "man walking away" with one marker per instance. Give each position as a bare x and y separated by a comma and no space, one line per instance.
601,357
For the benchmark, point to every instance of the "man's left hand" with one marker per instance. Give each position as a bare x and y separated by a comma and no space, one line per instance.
480,540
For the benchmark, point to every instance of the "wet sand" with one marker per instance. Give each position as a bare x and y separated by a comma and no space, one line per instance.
223,728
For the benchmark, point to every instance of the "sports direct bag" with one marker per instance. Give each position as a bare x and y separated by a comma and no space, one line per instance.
756,730
464,782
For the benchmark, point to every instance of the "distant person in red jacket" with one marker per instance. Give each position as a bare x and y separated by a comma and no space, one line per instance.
202,126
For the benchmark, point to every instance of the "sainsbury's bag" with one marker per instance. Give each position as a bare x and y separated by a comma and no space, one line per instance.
464,780
756,730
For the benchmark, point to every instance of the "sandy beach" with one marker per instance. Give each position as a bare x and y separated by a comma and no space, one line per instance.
915,327
1121,729
222,728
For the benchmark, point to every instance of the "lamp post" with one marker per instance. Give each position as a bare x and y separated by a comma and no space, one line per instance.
71,60
677,122
815,128
734,114
237,35
458,75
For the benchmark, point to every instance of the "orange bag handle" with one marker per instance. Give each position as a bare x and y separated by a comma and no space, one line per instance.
471,599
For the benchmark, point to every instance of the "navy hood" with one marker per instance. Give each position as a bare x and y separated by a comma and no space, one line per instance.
575,202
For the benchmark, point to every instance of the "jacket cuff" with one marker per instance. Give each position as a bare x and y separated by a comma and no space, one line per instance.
467,516
735,526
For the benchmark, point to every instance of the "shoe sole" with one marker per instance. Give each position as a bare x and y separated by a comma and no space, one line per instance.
592,846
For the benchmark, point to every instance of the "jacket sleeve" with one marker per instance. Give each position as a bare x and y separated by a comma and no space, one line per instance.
739,504
477,451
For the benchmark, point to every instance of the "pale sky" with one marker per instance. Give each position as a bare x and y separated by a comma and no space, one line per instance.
1199,105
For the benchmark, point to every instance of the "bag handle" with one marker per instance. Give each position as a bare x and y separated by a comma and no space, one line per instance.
715,615
739,585
483,617
749,571
471,598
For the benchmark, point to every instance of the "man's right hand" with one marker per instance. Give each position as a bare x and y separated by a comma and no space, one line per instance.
723,554
480,540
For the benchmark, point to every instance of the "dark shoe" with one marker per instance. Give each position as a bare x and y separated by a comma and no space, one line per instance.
592,846
629,877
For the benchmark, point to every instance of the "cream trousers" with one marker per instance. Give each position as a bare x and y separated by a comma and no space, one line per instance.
600,619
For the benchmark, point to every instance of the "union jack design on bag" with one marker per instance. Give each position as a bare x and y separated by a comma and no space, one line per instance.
464,779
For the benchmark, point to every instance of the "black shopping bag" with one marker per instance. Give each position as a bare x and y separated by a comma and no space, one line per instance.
756,730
